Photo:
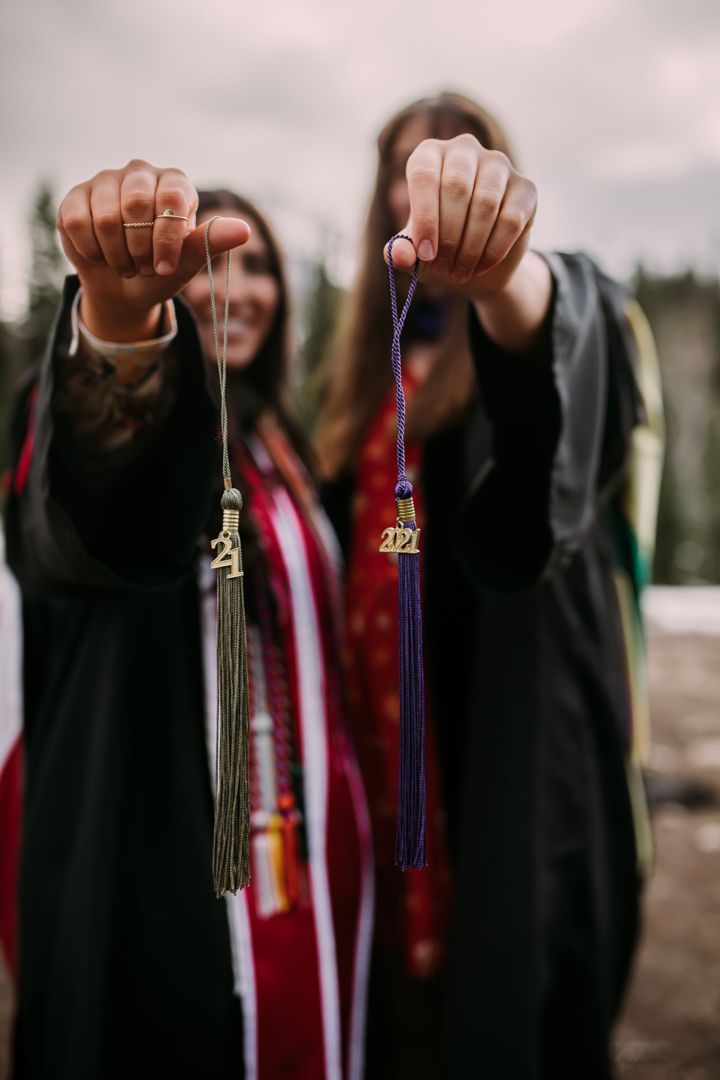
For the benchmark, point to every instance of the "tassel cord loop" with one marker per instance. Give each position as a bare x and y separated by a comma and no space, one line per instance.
220,353
403,489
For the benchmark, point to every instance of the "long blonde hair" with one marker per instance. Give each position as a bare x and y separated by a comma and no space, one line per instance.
358,361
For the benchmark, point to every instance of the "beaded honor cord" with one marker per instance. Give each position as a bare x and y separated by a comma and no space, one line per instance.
231,858
403,540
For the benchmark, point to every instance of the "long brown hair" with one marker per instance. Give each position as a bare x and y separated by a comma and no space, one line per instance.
358,361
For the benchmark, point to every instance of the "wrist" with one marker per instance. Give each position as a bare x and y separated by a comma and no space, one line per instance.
513,314
487,296
113,320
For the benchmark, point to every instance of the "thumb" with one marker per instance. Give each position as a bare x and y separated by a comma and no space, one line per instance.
225,233
404,255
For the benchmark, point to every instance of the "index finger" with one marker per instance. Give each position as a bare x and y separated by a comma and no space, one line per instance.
403,252
175,199
423,172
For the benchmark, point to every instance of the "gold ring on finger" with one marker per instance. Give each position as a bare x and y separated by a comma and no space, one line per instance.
171,214
138,224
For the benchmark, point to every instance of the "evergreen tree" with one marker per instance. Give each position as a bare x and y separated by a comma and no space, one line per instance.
8,353
684,313
22,342
321,313
47,270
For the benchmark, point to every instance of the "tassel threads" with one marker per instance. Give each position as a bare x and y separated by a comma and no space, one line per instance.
403,541
410,833
231,860
231,834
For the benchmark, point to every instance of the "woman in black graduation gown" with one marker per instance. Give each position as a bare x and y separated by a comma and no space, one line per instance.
129,964
524,401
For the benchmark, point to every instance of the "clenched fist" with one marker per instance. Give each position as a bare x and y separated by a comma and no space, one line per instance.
470,215
127,272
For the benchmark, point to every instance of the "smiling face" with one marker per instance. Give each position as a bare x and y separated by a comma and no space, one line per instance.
254,297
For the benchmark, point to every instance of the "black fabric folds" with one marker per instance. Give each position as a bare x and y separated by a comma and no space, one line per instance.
125,963
526,676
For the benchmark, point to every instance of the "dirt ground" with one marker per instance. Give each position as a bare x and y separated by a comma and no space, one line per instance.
670,1029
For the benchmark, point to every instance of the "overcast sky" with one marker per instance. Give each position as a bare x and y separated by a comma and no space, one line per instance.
613,107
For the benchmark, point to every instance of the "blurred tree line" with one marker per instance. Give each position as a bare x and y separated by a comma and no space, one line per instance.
683,310
22,341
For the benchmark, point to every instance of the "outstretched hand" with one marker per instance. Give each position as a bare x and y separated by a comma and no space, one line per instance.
128,271
470,216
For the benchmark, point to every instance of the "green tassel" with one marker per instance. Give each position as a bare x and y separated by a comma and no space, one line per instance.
231,835
231,839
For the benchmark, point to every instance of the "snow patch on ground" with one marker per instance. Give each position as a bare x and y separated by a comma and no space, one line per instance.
683,609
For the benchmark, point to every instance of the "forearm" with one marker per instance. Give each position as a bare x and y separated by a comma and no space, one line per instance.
110,390
514,316
86,510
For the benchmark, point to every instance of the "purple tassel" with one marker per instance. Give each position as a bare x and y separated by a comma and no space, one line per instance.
410,834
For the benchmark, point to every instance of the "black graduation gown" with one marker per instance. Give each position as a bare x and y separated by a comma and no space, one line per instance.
526,675
125,962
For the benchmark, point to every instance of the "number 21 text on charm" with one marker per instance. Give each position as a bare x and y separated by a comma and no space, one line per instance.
400,541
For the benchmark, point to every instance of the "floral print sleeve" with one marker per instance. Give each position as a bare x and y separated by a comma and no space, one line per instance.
108,393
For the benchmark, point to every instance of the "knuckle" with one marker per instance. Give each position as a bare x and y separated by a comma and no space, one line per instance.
137,201
467,140
69,197
501,158
173,197
426,148
72,221
487,202
105,221
514,219
172,171
138,163
421,173
530,191
457,183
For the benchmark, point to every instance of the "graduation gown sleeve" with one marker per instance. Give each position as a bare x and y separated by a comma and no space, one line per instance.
561,417
131,517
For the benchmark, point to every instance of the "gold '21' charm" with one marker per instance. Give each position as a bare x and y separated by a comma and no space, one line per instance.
400,541
228,556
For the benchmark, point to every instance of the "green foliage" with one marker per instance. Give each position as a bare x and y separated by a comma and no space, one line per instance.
684,313
22,342
10,350
322,307
47,270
